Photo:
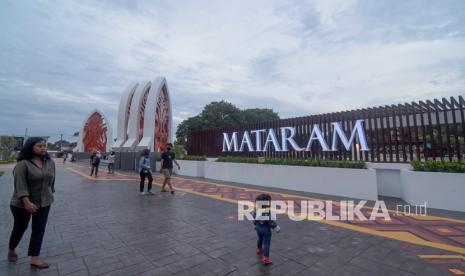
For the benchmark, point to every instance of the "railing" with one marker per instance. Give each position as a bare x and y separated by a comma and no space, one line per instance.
425,130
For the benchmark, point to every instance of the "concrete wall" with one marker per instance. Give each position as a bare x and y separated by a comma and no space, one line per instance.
127,161
438,190
388,178
190,168
353,183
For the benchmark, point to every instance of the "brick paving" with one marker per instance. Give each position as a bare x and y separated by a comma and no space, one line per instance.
106,228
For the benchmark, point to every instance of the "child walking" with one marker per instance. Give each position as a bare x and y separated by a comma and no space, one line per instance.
263,227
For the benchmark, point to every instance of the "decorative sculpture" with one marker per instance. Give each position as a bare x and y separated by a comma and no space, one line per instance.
162,121
144,118
95,134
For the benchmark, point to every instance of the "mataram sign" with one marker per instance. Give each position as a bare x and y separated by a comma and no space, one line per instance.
251,141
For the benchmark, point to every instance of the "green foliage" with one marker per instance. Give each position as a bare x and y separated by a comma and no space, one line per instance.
194,158
181,153
217,114
254,115
178,150
7,146
10,159
192,123
1,173
439,166
297,162
237,159
222,114
337,164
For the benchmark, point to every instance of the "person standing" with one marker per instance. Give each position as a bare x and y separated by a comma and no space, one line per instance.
166,167
65,155
111,162
94,162
34,186
144,172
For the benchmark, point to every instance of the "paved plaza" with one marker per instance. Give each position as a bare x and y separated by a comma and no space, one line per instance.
104,226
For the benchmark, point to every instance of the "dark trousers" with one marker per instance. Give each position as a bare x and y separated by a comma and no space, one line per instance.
21,222
145,174
94,168
111,167
264,239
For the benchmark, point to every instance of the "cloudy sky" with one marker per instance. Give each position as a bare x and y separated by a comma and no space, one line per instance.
61,59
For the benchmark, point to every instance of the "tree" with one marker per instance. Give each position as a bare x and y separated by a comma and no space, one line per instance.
217,114
7,146
220,114
51,146
254,115
192,123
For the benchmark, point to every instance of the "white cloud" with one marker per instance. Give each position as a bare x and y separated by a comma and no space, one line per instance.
299,57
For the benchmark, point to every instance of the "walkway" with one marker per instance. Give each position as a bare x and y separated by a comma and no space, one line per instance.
104,227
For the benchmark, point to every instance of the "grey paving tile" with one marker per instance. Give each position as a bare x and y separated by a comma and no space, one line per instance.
74,265
105,227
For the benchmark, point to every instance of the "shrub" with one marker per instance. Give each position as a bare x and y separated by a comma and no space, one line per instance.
193,157
438,166
237,159
296,162
1,173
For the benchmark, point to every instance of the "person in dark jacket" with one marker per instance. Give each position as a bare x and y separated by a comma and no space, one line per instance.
34,186
94,162
263,228
166,167
145,172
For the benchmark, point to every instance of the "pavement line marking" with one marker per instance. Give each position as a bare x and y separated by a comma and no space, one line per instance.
456,271
460,257
418,217
427,217
97,179
396,235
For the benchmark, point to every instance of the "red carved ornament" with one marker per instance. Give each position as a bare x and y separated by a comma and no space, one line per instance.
95,134
161,121
141,113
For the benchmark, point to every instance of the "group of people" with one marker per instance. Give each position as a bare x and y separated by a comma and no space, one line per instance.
168,157
34,188
95,158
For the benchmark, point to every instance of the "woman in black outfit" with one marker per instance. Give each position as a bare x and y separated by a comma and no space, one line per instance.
34,185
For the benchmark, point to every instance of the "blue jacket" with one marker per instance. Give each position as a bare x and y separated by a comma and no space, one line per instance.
264,223
144,163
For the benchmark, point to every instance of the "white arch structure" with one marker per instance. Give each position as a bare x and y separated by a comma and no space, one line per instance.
144,117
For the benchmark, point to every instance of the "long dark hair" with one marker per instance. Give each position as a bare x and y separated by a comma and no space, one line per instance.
27,152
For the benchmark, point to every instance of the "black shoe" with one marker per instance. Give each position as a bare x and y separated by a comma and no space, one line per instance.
172,192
